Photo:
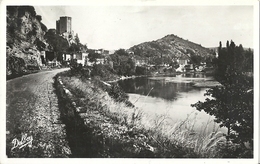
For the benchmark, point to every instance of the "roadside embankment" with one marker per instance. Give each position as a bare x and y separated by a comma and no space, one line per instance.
99,125
92,130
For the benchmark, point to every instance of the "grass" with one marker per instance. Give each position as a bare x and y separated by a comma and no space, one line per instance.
118,130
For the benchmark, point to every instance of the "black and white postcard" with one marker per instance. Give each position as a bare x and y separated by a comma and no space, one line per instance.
135,81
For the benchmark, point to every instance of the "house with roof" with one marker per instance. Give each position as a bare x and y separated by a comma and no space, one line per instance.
183,61
140,61
81,58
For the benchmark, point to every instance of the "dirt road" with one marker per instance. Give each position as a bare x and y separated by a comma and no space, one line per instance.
33,128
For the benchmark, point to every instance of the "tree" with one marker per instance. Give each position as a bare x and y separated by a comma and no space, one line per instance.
77,41
123,63
196,59
157,61
174,64
57,43
73,48
121,52
127,67
249,60
94,56
166,60
232,103
40,44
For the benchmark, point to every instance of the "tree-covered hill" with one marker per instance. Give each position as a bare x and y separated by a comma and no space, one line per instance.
171,46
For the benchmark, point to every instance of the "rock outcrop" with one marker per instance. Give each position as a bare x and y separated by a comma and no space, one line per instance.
24,40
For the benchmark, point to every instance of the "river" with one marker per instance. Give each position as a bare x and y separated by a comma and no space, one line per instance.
171,96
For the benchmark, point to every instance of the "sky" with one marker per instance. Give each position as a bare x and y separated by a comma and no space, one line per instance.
112,27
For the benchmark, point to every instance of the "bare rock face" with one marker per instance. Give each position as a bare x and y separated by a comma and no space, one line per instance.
25,39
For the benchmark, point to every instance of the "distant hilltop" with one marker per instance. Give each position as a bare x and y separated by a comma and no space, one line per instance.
171,46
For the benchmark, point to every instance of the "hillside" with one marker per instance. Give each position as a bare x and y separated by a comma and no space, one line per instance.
24,39
172,46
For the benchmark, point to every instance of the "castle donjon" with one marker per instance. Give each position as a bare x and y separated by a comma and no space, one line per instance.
64,27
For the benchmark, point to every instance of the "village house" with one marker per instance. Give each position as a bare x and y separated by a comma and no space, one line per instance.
182,63
189,68
140,61
99,51
81,58
51,60
53,63
66,57
102,52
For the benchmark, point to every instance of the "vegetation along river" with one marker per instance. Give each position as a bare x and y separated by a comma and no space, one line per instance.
172,96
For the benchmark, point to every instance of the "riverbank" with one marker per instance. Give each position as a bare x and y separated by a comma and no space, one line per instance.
196,82
114,129
125,78
206,84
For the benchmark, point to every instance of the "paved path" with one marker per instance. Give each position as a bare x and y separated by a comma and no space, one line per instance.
32,116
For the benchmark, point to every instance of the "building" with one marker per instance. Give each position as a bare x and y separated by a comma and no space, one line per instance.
64,29
182,61
67,57
189,68
106,52
43,58
51,60
58,26
64,25
82,58
140,61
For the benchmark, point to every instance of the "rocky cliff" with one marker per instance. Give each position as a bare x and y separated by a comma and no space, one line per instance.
24,39
172,46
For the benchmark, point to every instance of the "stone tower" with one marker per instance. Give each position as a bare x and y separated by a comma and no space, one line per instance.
64,25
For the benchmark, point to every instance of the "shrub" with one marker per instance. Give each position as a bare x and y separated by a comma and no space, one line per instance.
105,72
119,95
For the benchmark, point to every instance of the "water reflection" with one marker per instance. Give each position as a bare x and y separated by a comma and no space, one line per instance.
156,87
171,96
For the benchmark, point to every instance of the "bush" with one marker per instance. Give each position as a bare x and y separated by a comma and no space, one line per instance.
119,95
105,72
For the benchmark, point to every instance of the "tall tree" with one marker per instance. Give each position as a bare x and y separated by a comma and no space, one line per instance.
123,63
232,103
